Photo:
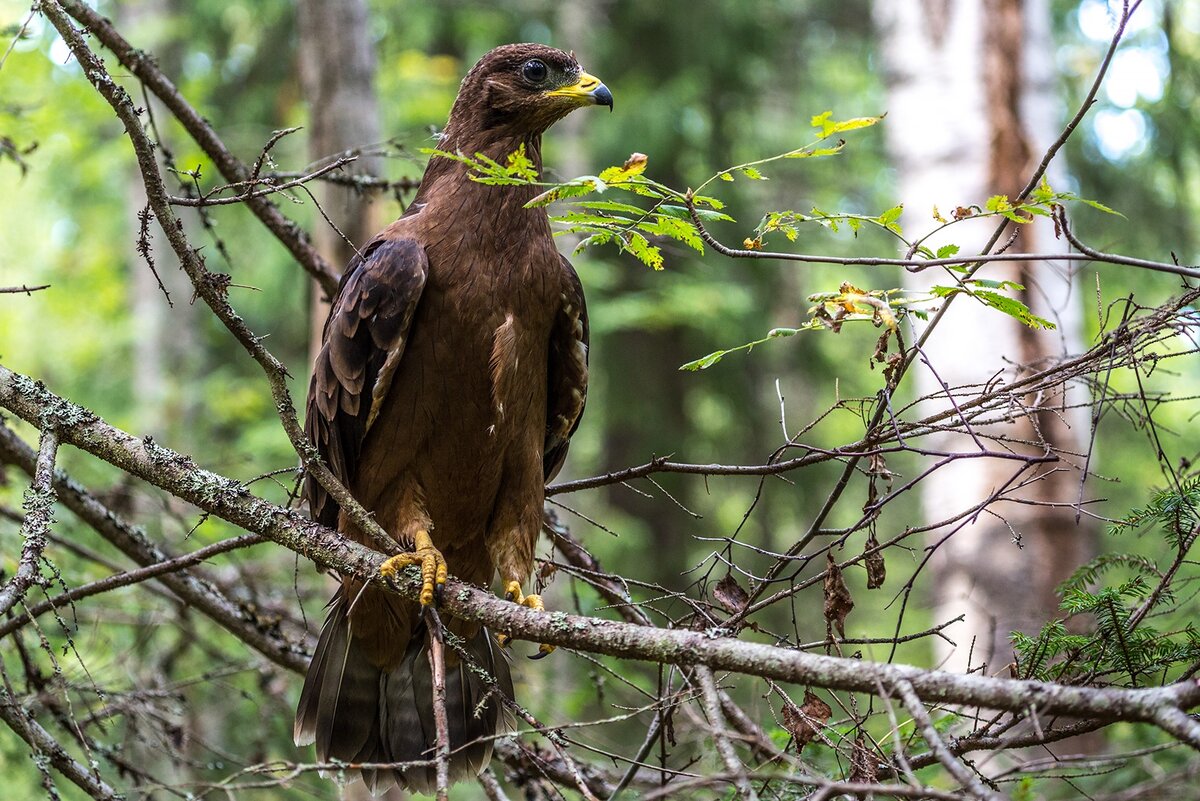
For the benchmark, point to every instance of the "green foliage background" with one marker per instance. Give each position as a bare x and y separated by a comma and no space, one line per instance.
697,90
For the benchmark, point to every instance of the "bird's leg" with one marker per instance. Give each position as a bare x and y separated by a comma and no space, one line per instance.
433,566
512,592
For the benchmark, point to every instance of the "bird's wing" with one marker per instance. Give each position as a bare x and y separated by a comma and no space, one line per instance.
362,344
566,389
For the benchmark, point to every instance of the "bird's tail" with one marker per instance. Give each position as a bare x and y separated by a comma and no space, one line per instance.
356,712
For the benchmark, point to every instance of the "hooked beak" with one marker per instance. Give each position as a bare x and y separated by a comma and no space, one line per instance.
587,89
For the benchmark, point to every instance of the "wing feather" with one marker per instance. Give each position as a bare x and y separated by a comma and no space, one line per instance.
362,344
566,387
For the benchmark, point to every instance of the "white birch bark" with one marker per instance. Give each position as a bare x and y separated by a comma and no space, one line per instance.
948,140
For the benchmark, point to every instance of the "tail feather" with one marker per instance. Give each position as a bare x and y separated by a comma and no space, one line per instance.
356,712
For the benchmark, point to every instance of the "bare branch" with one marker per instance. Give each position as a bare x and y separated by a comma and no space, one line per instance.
44,745
712,708
22,289
207,287
234,171
956,769
127,579
208,200
35,528
191,586
437,666
231,501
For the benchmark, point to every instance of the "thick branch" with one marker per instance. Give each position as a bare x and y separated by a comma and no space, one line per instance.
231,501
929,732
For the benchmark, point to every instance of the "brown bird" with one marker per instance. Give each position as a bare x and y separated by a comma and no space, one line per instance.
452,374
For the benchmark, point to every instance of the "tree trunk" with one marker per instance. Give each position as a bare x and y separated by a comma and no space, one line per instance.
337,67
971,110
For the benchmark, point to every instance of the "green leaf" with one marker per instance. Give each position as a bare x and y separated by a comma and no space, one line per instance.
646,253
725,176
610,205
827,126
753,174
707,215
1013,308
704,200
815,152
704,362
988,283
519,165
634,166
998,203
891,215
1098,205
562,191
946,251
681,230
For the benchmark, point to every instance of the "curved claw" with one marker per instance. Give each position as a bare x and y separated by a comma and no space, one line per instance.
544,651
433,567
512,592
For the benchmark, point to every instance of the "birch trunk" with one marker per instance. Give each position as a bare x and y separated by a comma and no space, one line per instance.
971,111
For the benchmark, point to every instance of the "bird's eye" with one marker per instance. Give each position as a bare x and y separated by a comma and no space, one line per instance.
535,71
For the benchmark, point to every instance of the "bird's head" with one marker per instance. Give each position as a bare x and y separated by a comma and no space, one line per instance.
523,89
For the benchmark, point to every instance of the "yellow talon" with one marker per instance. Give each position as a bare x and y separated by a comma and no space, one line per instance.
433,566
512,591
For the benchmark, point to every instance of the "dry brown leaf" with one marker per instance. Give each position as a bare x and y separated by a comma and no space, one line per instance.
863,762
838,602
876,569
803,722
730,594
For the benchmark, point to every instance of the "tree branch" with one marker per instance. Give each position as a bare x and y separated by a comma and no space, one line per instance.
231,501
209,289
233,170
191,586
35,528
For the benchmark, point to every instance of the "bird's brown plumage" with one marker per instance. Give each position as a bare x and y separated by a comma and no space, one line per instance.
452,374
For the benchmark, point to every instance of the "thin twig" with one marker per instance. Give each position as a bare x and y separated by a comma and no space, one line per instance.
22,289
208,199
127,579
143,67
437,664
46,747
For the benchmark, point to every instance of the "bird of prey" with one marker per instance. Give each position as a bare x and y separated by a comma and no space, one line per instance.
452,374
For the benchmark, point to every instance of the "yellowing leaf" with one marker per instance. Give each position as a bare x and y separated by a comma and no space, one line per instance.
633,166
828,127
815,152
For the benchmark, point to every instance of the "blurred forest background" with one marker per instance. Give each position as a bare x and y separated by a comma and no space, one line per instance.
698,87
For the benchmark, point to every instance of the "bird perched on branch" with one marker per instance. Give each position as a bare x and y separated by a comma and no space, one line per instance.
451,377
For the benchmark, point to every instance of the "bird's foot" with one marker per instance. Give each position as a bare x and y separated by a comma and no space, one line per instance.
512,592
433,566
